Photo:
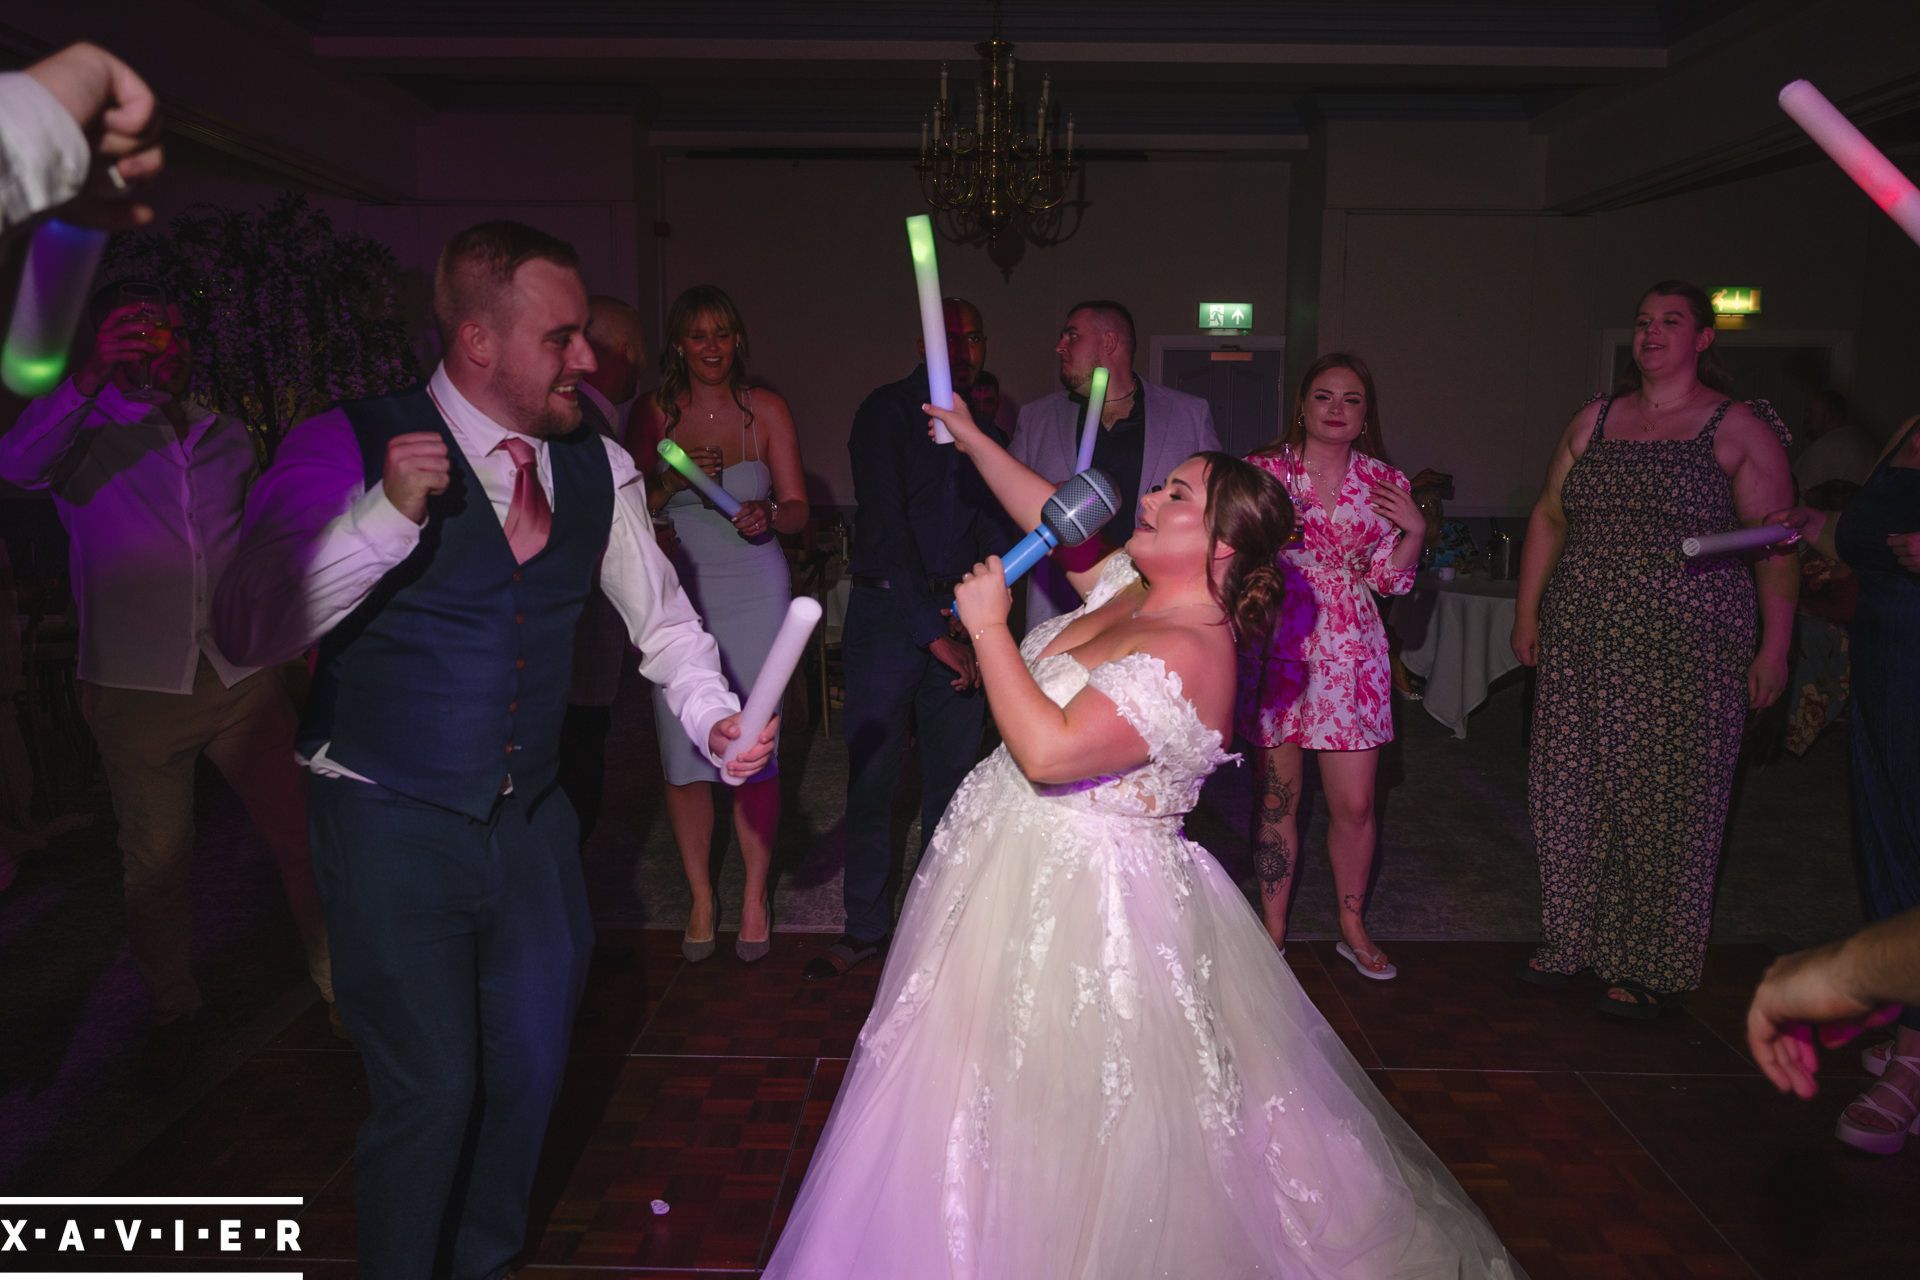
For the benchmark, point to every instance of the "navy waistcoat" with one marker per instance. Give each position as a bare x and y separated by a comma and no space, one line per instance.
452,675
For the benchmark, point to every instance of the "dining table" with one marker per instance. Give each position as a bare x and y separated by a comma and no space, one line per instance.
1454,633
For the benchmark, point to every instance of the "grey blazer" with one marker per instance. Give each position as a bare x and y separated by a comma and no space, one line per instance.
1047,438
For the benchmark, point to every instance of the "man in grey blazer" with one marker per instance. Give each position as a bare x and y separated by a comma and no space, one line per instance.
1146,431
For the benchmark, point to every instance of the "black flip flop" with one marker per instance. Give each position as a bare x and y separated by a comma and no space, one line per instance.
1544,977
1646,1004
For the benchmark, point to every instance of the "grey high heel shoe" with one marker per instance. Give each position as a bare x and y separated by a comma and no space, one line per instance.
749,951
698,949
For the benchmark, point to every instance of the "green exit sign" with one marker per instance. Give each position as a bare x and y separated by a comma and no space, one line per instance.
1736,300
1236,317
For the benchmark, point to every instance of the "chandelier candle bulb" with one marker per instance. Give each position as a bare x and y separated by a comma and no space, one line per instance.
1720,544
677,458
933,322
1876,175
1096,402
61,263
788,644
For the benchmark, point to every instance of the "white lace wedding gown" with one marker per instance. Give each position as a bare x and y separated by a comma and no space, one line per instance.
1086,1060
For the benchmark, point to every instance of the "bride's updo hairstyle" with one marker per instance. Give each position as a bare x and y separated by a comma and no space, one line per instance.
1248,509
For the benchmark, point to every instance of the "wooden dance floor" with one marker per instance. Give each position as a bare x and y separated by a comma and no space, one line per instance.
1597,1148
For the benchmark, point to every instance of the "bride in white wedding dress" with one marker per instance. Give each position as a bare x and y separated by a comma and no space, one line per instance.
1086,1061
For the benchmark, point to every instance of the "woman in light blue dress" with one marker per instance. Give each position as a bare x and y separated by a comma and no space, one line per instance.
733,570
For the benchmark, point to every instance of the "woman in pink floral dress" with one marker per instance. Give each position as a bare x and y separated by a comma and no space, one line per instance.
1323,683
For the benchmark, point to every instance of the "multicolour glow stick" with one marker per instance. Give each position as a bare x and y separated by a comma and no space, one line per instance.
1720,544
1096,401
1876,175
788,644
933,320
53,294
677,459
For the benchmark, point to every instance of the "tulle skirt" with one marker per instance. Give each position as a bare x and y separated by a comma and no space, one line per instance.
1086,1059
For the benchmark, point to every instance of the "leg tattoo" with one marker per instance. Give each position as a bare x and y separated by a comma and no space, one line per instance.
1272,857
1351,902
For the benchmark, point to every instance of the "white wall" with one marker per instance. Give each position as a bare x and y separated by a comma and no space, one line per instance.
814,252
1484,328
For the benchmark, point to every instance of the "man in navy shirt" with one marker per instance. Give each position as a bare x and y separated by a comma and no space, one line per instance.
924,518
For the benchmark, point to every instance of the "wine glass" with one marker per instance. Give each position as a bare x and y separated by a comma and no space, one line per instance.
150,302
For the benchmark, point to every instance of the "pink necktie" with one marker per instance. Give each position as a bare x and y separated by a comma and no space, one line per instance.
529,518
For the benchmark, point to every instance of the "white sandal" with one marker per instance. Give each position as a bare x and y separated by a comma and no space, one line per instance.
1361,962
1873,1058
1883,1142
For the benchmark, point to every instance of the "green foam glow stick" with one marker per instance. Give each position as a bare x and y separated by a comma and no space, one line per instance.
53,292
933,320
1096,401
677,459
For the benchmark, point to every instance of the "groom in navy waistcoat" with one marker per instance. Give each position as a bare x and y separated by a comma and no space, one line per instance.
440,544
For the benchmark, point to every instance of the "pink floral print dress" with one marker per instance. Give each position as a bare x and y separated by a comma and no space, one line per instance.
1323,682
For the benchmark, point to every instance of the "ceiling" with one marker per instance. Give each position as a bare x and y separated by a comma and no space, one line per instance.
859,72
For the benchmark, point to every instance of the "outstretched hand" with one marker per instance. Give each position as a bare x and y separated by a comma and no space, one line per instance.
959,423
1803,998
118,114
1807,523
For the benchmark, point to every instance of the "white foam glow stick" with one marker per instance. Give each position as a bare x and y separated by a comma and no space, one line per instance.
1096,401
1876,175
1720,544
677,459
768,687
933,320
53,292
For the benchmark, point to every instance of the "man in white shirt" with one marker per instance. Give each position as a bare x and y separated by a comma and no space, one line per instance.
1836,449
440,543
619,346
150,487
81,127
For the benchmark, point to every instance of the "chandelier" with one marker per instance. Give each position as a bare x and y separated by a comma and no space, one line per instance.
991,171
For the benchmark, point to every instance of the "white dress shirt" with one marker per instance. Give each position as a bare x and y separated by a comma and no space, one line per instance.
615,414
43,155
1844,453
317,540
152,520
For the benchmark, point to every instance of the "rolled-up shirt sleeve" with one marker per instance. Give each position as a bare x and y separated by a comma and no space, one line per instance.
43,154
676,652
46,435
314,542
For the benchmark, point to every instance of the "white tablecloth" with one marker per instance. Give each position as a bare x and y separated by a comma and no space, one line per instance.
1457,636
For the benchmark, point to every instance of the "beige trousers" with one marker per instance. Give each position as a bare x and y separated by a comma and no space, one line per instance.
149,744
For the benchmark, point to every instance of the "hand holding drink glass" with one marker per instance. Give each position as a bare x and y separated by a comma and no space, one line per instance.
135,349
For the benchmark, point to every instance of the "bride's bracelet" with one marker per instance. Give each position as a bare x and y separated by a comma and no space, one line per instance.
982,631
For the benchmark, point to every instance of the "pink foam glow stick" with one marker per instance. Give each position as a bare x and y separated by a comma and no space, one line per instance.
1876,175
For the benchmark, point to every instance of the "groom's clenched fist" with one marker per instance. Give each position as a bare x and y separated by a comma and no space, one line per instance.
417,468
